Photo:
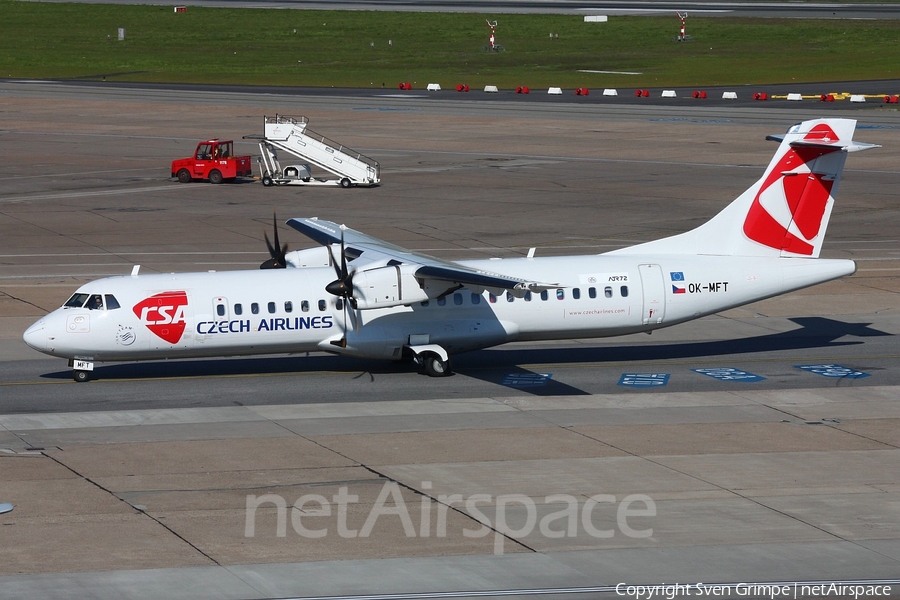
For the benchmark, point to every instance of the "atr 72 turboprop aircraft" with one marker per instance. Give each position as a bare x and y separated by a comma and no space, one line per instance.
359,296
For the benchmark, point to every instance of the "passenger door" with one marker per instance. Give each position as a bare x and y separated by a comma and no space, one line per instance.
654,291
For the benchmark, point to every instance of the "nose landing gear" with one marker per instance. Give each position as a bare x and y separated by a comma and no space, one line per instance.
81,370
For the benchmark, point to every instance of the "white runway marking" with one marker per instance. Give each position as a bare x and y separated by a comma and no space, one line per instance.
610,72
95,193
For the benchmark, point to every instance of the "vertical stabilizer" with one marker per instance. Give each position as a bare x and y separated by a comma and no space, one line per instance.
786,212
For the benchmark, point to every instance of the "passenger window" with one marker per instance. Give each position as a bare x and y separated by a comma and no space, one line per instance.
238,309
560,294
544,295
510,297
527,296
339,304
476,299
624,290
220,310
576,293
288,306
76,301
592,292
457,299
492,298
304,305
254,308
425,303
322,305
111,302
271,307
442,301
607,291
95,302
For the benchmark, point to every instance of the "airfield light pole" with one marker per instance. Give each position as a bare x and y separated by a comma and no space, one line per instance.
683,18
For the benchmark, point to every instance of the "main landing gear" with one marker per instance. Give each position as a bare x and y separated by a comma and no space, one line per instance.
433,359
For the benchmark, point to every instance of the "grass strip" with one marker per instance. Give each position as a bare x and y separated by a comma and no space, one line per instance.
375,48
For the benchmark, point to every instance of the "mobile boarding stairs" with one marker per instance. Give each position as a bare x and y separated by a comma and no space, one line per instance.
290,134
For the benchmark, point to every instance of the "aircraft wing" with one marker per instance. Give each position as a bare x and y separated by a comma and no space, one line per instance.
364,251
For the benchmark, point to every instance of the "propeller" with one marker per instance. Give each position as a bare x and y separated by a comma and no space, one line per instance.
277,251
342,287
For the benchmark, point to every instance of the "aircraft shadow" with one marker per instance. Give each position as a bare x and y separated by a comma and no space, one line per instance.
814,332
500,367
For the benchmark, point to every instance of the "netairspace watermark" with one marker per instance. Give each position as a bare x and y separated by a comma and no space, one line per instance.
313,515
773,591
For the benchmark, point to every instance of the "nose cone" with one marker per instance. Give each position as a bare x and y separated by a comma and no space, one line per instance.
36,336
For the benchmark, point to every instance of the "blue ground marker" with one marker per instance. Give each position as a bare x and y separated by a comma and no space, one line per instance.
644,380
526,379
730,374
836,371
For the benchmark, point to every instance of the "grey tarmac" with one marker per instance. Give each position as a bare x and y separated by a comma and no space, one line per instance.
137,484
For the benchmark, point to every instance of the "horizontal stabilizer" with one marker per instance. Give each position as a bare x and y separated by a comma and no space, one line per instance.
848,146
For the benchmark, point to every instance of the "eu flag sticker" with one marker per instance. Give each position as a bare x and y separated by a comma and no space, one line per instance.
677,275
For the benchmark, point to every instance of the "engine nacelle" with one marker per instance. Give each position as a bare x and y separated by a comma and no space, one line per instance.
387,286
311,257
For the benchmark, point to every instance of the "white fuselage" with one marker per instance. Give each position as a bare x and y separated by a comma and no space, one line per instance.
289,311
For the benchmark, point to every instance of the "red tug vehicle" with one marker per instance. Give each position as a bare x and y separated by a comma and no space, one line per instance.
213,160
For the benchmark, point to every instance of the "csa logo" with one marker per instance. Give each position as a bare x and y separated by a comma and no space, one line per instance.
163,314
799,199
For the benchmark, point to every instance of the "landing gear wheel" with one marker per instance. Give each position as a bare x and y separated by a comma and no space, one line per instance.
215,176
267,181
435,366
345,183
184,176
81,376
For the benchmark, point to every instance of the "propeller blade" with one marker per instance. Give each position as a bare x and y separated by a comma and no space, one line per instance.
275,228
343,256
337,269
355,318
277,251
343,285
281,249
269,246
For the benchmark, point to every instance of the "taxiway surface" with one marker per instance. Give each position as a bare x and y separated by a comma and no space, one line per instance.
140,480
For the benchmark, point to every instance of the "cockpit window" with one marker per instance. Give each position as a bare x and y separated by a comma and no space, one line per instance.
76,301
92,302
95,302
